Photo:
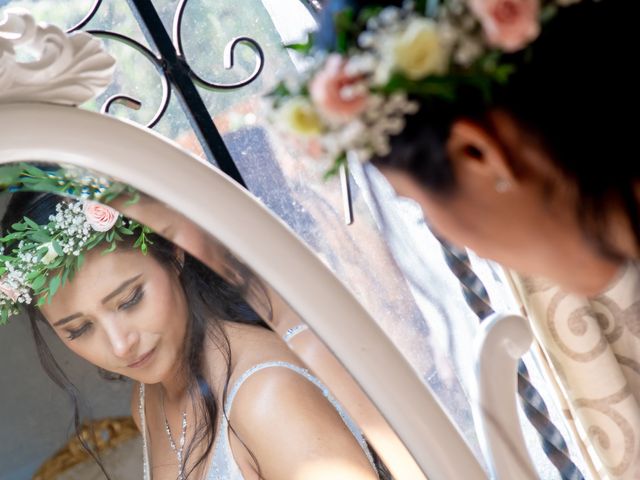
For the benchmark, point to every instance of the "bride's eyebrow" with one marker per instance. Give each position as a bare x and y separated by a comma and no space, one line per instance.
59,323
122,286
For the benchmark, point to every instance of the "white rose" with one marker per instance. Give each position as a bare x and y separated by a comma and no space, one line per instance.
298,116
418,50
51,254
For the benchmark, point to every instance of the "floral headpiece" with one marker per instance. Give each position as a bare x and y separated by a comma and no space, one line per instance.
42,258
357,94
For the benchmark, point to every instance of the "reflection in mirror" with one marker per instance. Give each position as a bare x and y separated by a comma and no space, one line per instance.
179,326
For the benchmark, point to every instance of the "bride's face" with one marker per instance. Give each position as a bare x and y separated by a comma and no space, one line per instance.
124,312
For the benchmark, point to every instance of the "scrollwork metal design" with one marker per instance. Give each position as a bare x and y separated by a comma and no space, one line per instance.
87,18
228,58
126,100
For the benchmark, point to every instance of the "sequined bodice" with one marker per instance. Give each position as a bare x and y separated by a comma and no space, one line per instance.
223,465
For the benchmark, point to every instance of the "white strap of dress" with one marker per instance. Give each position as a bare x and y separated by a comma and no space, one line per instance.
355,431
143,426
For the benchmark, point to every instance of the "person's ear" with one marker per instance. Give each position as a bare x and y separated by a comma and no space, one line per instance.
472,149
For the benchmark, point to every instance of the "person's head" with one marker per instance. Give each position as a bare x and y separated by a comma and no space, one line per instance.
542,179
142,316
125,312
507,120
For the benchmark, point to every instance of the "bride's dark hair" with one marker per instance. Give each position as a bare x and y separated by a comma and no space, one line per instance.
575,91
211,301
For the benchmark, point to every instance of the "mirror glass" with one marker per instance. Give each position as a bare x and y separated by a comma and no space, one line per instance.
288,181
92,343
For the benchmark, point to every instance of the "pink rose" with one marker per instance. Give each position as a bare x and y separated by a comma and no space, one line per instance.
100,217
508,24
8,291
338,96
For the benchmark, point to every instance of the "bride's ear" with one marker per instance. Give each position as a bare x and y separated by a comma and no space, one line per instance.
477,152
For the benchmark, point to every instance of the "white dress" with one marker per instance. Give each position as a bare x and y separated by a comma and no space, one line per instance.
223,465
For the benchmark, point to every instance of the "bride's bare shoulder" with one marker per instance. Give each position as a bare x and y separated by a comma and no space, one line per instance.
251,345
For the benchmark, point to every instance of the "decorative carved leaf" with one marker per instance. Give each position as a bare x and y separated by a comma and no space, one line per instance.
66,69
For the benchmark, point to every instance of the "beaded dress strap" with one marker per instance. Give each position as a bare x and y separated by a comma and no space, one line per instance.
143,426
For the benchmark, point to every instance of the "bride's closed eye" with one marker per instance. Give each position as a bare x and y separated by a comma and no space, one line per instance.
133,299
75,333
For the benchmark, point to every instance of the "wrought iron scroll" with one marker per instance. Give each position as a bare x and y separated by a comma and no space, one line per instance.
176,72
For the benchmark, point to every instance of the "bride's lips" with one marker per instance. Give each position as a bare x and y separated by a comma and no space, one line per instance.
143,359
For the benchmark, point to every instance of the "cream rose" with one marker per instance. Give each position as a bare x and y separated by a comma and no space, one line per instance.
299,116
418,50
100,217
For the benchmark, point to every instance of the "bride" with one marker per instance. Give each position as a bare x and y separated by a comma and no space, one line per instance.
217,395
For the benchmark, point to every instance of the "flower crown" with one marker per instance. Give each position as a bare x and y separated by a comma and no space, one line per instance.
42,258
356,95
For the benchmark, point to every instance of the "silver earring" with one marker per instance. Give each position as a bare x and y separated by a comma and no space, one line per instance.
502,185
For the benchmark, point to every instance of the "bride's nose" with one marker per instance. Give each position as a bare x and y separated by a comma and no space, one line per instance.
123,339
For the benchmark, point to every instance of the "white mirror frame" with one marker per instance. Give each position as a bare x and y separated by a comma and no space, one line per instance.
152,164
502,340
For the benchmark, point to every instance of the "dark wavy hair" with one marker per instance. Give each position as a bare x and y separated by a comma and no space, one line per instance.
574,90
210,300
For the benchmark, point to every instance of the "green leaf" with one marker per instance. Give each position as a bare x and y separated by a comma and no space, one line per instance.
41,252
111,248
135,199
335,168
54,284
31,276
19,227
367,13
31,223
41,301
57,247
126,231
144,248
304,47
343,21
548,12
280,91
34,171
39,282
65,276
110,235
421,6
56,263
40,236
11,236
79,261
